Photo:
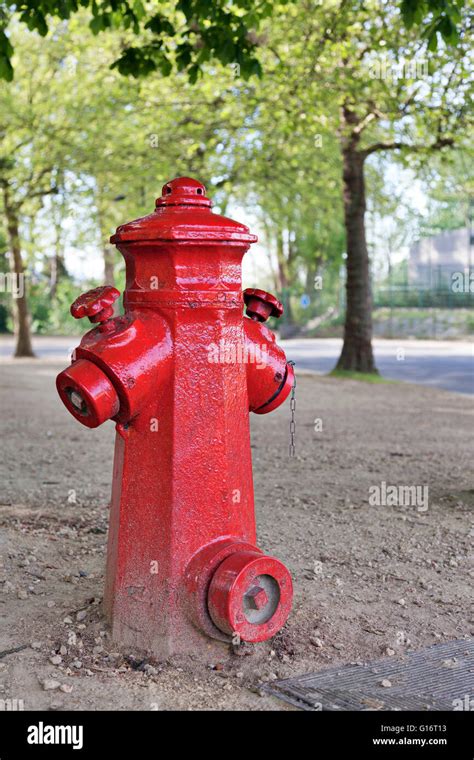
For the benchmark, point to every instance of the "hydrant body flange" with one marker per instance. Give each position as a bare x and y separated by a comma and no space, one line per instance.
179,373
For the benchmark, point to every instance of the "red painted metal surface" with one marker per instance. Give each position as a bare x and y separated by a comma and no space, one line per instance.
250,595
96,304
179,373
261,305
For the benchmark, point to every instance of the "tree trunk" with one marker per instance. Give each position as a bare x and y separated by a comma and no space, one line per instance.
57,266
109,264
356,352
21,316
284,280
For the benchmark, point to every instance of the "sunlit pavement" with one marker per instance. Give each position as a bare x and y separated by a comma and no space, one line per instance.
440,364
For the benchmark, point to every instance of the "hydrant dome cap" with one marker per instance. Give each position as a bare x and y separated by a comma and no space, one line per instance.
183,212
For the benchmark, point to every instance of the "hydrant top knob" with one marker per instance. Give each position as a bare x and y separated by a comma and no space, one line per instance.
261,305
97,304
183,191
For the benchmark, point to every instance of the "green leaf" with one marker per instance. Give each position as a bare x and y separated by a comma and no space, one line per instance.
183,56
6,68
448,30
165,66
158,24
5,45
193,73
433,41
96,25
412,11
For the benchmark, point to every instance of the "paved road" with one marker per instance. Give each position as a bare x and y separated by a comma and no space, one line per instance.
441,364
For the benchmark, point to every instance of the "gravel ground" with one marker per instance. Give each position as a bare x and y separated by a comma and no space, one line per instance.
369,580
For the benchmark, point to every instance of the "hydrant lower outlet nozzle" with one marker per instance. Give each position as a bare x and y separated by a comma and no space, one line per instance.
179,371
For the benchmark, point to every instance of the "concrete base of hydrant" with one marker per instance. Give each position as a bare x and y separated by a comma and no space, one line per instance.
229,592
160,648
165,637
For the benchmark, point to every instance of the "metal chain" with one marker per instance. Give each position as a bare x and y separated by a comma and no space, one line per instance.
293,413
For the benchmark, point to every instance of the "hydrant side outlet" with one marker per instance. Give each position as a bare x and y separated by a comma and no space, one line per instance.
179,373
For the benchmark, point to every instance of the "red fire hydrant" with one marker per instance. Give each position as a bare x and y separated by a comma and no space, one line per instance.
179,373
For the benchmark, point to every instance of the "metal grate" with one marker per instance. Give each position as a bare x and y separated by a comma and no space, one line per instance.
430,679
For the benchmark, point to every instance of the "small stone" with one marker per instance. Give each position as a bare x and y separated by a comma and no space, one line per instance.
56,659
66,687
63,650
49,684
67,620
77,664
50,604
452,663
22,594
401,602
36,645
386,683
150,670
389,652
244,649
316,642
81,615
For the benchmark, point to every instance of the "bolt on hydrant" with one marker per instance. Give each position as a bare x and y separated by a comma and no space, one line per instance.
179,373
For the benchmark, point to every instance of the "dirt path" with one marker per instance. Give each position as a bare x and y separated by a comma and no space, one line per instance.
369,579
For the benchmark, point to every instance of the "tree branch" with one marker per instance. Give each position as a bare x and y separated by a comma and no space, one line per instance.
440,142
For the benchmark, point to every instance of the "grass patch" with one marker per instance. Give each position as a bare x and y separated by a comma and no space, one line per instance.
365,377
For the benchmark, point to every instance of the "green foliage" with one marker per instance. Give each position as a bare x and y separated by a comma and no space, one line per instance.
52,316
436,18
187,34
181,36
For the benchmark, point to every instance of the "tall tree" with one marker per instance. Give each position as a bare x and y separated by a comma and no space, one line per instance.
30,137
377,87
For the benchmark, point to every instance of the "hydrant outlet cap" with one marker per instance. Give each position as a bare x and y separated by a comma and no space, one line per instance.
250,594
87,393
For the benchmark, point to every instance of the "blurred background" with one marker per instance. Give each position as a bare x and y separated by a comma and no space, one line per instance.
292,114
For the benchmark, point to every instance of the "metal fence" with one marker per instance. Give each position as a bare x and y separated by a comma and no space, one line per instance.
413,296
